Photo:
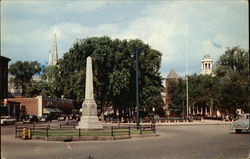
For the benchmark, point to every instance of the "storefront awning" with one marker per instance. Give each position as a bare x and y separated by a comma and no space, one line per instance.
57,110
51,110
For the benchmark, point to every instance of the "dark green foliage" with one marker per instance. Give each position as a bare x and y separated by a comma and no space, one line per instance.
23,72
235,60
228,89
233,70
177,95
114,73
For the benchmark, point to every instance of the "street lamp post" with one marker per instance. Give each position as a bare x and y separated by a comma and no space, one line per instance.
137,90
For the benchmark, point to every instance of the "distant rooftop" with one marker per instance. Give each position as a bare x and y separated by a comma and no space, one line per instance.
172,74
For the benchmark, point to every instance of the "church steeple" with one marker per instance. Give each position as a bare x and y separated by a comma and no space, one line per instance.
54,53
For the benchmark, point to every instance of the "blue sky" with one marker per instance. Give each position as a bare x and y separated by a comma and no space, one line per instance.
209,27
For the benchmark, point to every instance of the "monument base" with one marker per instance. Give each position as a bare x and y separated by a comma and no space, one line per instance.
89,122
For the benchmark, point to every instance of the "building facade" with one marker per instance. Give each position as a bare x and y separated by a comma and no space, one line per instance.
3,77
42,105
172,76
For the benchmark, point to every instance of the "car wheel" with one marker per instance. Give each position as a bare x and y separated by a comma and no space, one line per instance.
238,131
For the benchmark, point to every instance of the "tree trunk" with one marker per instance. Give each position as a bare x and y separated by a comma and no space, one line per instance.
120,113
115,112
102,113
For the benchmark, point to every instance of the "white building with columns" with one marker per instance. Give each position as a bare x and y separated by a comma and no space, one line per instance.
206,69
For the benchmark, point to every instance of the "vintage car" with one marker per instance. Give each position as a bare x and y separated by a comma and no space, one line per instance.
7,120
242,123
61,118
45,118
30,119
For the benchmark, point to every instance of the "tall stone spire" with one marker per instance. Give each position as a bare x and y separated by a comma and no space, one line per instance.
89,119
89,91
54,53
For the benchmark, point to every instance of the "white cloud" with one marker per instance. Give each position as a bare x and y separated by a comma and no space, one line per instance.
206,21
162,26
74,30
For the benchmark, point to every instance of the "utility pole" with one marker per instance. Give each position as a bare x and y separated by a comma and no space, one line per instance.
137,90
186,67
183,110
211,110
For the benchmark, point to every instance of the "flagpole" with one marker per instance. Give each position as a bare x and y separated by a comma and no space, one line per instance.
186,51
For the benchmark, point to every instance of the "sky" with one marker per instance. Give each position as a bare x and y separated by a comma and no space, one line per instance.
182,30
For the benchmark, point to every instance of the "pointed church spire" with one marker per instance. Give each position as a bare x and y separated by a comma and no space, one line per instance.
54,52
50,58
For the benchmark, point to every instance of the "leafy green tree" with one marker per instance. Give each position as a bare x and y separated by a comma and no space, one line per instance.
235,60
71,69
233,68
203,89
123,78
23,72
114,73
48,84
228,89
177,96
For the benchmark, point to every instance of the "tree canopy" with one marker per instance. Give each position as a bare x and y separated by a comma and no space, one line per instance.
233,70
23,73
228,87
114,73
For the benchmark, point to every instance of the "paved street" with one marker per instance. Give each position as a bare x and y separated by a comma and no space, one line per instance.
174,142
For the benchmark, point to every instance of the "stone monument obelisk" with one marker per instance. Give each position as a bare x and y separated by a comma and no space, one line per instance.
89,119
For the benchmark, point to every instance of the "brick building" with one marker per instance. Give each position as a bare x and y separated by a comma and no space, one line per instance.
13,107
172,76
42,105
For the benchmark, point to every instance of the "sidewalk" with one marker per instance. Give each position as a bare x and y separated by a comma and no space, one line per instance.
202,122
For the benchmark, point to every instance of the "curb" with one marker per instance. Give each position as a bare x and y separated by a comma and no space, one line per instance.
90,138
190,124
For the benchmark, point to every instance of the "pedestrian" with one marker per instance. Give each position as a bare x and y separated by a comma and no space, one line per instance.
67,120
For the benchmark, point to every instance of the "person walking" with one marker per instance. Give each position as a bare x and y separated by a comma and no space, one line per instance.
67,120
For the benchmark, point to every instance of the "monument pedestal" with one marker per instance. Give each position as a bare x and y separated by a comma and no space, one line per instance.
89,119
89,122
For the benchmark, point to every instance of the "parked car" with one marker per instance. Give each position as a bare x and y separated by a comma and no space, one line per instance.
72,116
78,117
45,118
61,118
7,120
242,123
30,119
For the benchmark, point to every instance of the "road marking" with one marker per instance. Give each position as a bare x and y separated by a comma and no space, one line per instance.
69,147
